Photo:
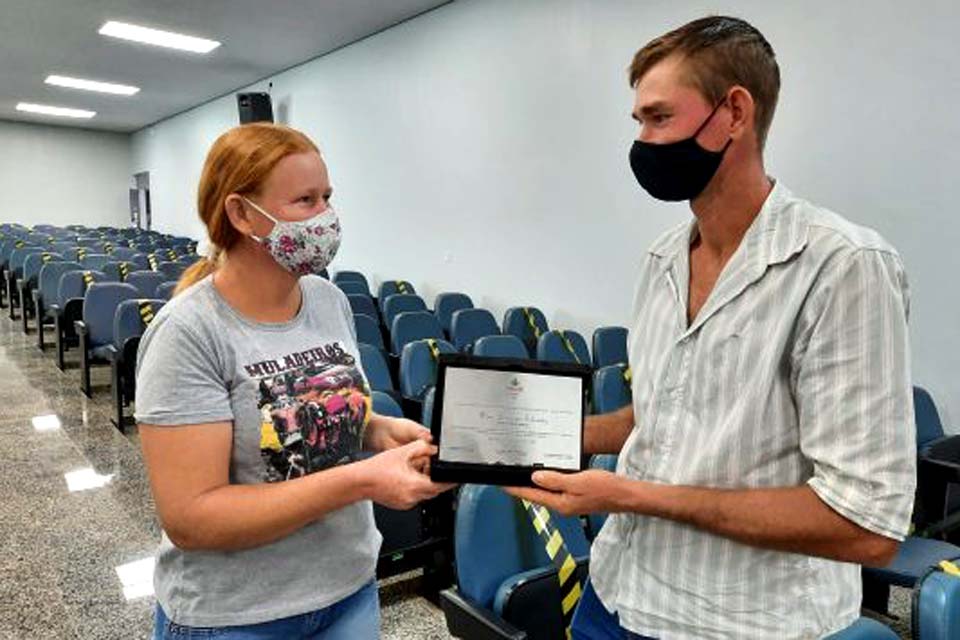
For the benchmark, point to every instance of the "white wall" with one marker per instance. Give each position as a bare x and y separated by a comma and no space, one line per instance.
61,175
483,147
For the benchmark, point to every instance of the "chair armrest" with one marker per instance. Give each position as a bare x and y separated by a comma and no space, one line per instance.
113,354
945,447
942,458
81,327
938,466
36,295
467,620
506,589
129,351
943,470
73,309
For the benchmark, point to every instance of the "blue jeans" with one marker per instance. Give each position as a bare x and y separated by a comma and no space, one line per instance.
356,617
591,621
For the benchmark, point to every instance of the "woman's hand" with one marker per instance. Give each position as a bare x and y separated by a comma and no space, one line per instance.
398,478
385,433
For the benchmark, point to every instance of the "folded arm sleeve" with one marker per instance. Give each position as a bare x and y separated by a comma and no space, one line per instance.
854,394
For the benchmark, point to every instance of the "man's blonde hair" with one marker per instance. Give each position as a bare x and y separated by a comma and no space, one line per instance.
719,52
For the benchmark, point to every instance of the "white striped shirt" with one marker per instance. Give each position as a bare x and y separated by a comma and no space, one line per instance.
796,370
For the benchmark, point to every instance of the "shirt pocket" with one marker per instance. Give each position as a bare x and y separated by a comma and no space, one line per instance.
727,362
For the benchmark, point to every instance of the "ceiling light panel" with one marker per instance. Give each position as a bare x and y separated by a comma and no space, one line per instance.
49,110
92,85
158,38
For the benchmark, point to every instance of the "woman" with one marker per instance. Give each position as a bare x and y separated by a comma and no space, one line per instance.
267,534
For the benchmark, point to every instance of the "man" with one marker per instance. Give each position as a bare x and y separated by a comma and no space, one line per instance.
770,447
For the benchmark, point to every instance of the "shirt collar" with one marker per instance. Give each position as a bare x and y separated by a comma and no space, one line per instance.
777,233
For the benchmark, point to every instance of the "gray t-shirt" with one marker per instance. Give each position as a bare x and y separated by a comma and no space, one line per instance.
298,401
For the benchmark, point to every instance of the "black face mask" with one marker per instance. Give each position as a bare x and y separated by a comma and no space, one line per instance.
678,170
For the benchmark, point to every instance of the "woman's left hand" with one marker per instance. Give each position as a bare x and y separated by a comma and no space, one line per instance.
385,432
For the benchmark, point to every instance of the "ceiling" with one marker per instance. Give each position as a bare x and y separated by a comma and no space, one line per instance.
260,38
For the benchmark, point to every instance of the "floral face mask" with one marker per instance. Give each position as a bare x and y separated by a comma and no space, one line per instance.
302,247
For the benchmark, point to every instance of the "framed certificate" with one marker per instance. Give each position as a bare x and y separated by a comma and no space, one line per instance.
496,421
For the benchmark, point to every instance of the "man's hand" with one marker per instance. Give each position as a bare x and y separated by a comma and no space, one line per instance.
575,493
385,433
792,519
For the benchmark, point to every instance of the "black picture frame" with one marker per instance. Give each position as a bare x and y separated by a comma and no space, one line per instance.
496,474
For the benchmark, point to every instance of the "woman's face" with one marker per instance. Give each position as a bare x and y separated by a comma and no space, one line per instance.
298,188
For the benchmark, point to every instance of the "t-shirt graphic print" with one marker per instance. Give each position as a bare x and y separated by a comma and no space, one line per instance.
314,406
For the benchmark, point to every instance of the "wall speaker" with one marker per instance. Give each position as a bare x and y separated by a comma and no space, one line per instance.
254,107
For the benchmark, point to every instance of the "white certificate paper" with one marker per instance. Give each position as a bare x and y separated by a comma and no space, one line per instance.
518,419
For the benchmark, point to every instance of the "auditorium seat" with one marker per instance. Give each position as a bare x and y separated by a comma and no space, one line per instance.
506,583
95,261
75,253
368,331
95,330
131,319
363,304
353,276
446,304
63,246
413,325
563,346
401,303
936,607
69,308
45,294
7,248
15,272
409,536
469,325
392,287
353,288
146,282
165,289
122,253
935,482
500,347
609,346
418,372
90,242
172,270
376,370
611,389
526,323
865,629
120,269
28,283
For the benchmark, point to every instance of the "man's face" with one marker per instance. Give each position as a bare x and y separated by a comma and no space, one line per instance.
668,108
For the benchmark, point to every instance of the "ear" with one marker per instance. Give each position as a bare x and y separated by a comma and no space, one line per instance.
742,109
239,213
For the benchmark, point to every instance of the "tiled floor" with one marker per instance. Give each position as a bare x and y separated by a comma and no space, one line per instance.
61,548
